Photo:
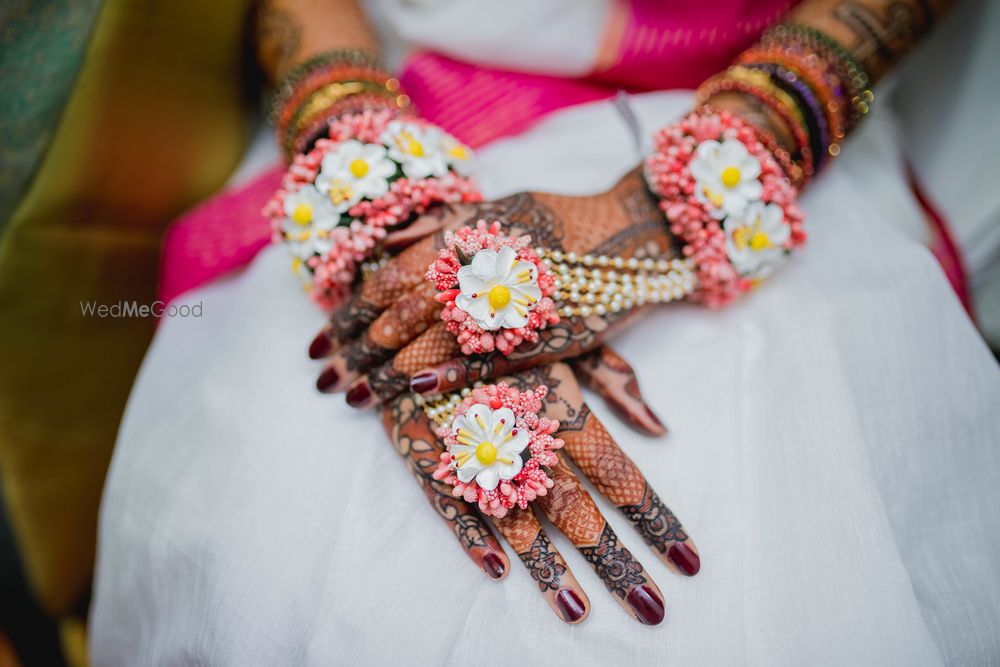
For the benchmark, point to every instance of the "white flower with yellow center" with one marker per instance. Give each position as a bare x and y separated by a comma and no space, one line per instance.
354,171
310,219
456,154
755,241
498,290
725,177
415,148
489,446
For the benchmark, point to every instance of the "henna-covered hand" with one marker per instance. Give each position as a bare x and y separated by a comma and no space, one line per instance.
390,337
567,505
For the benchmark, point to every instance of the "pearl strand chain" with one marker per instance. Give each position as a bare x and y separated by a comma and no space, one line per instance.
598,284
441,409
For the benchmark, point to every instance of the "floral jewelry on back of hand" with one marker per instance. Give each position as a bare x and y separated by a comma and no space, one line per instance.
376,172
498,448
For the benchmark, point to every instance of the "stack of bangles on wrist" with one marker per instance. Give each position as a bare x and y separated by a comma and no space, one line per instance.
325,86
811,82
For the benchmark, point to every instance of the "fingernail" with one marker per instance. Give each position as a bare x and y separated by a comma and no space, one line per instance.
327,379
493,565
685,558
320,345
359,395
423,382
646,604
653,418
570,605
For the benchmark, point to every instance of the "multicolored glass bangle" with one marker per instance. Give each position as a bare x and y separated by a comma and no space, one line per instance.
498,450
726,199
374,172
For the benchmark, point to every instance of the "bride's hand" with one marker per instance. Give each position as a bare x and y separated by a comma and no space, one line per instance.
567,505
389,337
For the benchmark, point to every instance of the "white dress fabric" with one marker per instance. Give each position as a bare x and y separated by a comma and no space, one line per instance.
833,452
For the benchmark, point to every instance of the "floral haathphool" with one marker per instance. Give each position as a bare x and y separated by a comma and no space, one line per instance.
496,291
497,448
374,172
726,199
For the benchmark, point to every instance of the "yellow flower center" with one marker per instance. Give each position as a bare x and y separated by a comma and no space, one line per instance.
459,152
760,241
415,148
499,297
303,214
731,177
359,168
340,192
486,453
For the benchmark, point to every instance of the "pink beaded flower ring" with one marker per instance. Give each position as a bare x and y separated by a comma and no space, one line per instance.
495,290
498,448
727,199
376,171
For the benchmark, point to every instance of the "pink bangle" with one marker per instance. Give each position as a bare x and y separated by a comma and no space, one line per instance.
726,199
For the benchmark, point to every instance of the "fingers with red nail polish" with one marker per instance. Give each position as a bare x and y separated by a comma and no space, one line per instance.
556,582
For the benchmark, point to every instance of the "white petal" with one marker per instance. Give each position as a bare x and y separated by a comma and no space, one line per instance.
490,321
708,150
477,308
732,152
527,290
483,413
469,282
749,167
750,190
733,203
471,468
506,260
508,470
372,153
516,445
508,318
484,264
488,478
505,414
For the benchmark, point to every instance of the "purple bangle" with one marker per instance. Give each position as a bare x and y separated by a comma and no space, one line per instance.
804,92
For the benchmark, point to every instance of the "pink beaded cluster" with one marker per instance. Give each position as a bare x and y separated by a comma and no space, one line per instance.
368,221
669,176
443,272
532,481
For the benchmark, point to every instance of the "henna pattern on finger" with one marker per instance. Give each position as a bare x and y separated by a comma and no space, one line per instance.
543,563
655,522
614,564
364,354
346,322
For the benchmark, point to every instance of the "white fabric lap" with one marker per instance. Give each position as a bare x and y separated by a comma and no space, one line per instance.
832,451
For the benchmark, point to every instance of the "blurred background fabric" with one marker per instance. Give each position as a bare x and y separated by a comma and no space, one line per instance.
118,133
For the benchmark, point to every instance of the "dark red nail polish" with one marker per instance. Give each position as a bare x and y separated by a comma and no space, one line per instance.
493,566
423,382
656,420
327,379
684,558
646,604
570,605
359,395
320,345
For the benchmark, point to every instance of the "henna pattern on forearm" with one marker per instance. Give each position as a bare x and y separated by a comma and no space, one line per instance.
278,35
614,564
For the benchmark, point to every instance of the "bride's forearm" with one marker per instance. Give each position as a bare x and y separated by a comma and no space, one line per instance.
876,34
289,32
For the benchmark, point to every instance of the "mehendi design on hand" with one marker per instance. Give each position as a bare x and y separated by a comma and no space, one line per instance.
543,563
655,522
614,564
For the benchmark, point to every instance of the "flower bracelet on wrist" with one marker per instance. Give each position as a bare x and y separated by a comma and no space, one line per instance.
727,201
374,172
